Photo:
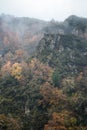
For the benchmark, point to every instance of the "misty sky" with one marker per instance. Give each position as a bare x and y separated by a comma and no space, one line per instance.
44,9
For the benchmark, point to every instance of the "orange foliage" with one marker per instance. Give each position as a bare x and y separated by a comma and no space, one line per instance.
61,121
79,78
6,69
52,96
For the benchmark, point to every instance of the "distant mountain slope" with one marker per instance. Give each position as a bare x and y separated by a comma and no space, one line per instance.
77,26
25,33
72,25
20,32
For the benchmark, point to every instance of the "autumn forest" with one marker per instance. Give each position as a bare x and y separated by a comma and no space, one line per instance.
43,74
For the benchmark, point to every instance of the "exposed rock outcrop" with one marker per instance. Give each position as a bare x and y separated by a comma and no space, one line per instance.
67,52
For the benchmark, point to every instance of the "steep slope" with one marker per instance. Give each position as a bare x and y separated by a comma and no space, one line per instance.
21,33
25,33
72,25
67,52
49,89
77,26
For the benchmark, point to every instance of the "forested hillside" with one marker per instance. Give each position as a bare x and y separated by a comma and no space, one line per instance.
43,74
20,33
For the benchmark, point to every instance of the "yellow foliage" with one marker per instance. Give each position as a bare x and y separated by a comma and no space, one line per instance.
16,71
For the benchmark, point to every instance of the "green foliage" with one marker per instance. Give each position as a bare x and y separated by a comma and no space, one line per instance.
56,77
48,90
9,81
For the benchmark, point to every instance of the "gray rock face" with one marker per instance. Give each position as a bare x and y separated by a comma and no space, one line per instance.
68,52
51,41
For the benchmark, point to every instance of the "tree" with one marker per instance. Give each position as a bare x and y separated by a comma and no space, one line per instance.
61,121
6,69
9,123
16,71
56,77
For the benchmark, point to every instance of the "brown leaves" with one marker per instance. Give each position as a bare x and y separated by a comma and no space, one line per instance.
53,97
61,121
40,71
9,123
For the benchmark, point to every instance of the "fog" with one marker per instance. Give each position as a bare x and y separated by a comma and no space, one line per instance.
44,9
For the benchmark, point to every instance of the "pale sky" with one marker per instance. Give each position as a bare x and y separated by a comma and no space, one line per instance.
44,9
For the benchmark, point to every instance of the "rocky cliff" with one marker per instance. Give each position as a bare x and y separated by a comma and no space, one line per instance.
67,52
